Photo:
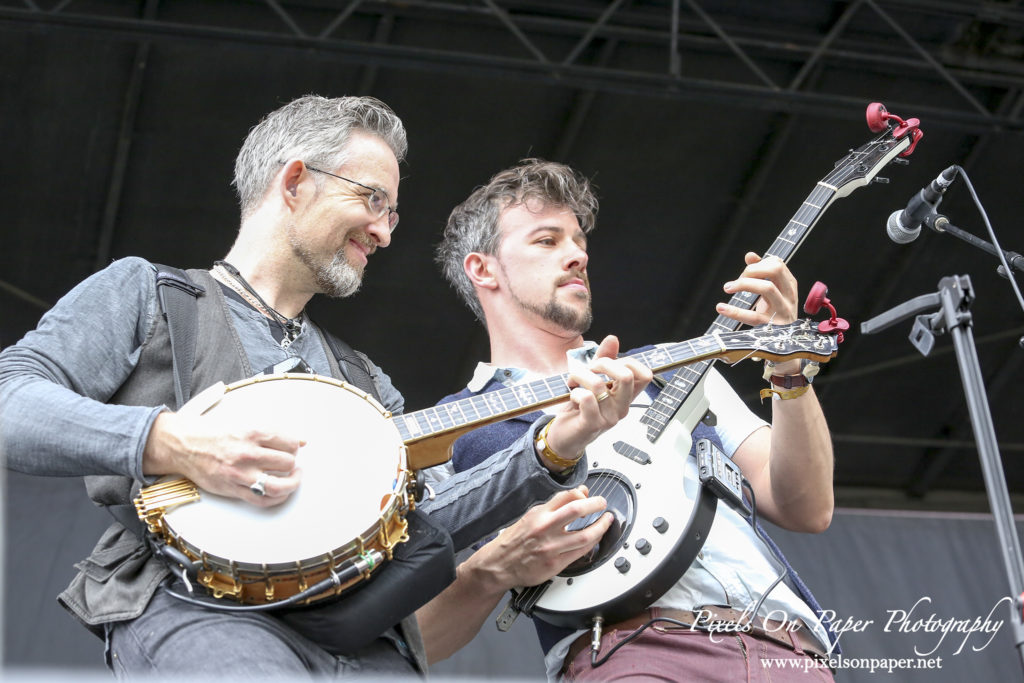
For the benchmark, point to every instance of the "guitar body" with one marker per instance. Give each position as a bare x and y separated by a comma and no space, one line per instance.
663,515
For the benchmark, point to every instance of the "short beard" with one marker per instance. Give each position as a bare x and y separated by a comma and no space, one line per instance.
337,279
566,317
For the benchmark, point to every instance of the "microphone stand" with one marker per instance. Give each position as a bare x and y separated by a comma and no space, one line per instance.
941,225
953,301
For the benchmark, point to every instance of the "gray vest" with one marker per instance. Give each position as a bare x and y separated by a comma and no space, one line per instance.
117,581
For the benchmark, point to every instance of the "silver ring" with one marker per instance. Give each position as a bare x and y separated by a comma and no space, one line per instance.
259,486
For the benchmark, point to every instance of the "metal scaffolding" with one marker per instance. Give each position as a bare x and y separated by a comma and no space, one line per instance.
980,74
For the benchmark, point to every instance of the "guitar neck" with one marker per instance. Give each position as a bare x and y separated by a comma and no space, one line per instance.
799,227
795,340
851,172
508,402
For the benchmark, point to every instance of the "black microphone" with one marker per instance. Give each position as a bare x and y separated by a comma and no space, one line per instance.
904,226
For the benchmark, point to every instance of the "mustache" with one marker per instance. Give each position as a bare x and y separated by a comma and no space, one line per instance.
574,275
364,240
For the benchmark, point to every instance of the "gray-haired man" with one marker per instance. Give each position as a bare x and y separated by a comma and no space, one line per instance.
86,394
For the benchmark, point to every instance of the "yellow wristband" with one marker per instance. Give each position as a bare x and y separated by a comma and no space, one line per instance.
786,393
546,451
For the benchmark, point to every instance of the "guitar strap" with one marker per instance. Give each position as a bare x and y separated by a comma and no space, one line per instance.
176,294
352,365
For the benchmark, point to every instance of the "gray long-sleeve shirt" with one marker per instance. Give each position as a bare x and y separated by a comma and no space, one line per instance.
54,419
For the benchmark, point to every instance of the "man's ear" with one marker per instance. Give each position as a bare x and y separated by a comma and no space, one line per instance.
288,181
480,269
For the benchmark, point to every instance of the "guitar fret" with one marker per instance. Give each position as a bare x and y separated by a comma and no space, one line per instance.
432,418
462,412
654,417
403,429
479,407
421,422
449,414
525,394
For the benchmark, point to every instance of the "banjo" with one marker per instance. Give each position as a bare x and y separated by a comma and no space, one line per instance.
359,461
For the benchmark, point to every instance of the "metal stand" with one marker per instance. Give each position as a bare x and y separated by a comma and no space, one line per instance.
941,225
953,301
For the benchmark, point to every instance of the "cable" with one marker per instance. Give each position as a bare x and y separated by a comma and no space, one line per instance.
352,568
992,236
752,519
761,535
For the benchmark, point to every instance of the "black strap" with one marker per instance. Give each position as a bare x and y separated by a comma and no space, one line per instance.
352,365
177,294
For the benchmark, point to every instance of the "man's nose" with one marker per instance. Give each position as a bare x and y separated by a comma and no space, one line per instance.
577,259
380,231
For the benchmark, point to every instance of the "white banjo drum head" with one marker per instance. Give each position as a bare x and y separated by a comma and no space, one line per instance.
351,465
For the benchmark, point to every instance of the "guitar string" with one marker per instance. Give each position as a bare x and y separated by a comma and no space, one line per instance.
838,177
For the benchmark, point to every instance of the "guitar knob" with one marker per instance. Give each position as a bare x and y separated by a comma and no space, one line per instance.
660,525
642,546
877,116
816,298
622,564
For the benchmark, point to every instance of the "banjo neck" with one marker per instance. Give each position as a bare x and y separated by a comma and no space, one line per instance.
429,434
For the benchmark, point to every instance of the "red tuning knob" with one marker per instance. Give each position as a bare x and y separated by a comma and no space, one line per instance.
818,297
878,120
877,117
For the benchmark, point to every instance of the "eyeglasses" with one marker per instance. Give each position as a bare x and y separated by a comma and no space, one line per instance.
376,201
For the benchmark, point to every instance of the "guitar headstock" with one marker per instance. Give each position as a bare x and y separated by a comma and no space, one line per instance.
778,343
860,167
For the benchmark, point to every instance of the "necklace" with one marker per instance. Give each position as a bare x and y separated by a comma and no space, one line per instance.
229,275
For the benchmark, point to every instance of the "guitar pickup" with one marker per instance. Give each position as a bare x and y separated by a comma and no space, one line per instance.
631,452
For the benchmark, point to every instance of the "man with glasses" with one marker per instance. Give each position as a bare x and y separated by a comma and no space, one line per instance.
87,393
516,252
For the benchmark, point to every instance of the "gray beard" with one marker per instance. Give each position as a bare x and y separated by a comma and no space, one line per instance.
337,279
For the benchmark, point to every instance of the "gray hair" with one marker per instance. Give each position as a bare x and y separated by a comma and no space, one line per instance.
314,129
473,224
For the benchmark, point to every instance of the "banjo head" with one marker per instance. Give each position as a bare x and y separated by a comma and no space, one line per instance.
353,476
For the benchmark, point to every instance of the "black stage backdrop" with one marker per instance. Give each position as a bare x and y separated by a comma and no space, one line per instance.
906,586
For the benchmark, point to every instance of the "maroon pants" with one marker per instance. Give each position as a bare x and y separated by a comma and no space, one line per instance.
684,655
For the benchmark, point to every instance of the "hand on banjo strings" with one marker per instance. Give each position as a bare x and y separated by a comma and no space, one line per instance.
596,402
225,458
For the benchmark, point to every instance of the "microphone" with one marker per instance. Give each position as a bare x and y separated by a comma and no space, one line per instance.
904,226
